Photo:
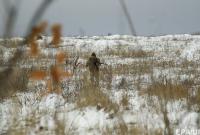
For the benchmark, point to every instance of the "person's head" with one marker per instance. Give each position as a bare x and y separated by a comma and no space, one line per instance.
93,54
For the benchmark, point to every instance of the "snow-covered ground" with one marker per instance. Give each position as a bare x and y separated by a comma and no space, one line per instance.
171,57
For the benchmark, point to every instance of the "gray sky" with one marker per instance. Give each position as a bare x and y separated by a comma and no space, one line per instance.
100,17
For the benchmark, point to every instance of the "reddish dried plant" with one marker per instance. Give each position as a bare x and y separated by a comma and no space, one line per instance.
38,75
61,57
49,86
34,50
56,74
36,30
56,79
56,31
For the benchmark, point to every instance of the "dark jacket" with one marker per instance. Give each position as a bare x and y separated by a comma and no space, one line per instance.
93,63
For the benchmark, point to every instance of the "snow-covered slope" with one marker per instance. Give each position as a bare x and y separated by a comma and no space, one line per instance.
164,56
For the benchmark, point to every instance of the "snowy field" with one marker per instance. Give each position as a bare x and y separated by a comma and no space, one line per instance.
148,85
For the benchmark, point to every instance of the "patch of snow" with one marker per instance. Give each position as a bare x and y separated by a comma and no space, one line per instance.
88,121
190,121
47,122
191,52
51,102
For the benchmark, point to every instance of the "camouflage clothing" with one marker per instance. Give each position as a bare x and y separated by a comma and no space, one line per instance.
93,64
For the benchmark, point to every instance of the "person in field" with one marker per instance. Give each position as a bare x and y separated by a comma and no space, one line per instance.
93,63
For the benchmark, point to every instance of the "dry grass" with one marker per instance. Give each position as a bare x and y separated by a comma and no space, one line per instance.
167,90
17,80
165,64
133,130
119,128
137,67
185,64
132,53
90,95
125,100
11,43
194,99
122,129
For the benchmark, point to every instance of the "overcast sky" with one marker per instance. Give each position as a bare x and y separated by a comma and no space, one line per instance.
100,17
